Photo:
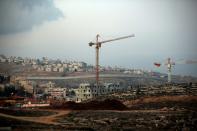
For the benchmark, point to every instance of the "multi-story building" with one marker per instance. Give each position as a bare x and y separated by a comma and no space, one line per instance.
84,92
60,69
55,69
88,91
48,69
59,65
57,92
45,60
65,65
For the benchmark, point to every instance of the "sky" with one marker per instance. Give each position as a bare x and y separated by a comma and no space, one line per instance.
63,28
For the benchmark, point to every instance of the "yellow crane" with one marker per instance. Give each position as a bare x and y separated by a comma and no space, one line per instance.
98,45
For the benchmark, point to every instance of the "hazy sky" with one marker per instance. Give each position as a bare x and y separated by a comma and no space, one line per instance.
63,28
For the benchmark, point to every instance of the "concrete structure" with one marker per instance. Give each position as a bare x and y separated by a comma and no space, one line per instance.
48,69
56,93
2,58
50,84
55,69
112,87
60,69
88,91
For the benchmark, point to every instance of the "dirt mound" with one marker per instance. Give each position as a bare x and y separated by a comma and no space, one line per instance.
158,102
108,104
156,99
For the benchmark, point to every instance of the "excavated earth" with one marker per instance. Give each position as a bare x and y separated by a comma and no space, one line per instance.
145,113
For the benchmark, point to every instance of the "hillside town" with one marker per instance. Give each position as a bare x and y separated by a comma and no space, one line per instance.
133,83
45,64
48,90
57,65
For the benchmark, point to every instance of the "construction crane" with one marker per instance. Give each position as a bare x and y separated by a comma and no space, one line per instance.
98,45
169,64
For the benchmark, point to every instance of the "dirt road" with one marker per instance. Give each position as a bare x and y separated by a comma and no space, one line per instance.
43,119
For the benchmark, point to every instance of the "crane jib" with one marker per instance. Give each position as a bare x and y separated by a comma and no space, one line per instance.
117,39
98,45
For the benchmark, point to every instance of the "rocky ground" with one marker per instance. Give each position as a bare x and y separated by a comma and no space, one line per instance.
110,120
132,120
145,113
9,124
26,112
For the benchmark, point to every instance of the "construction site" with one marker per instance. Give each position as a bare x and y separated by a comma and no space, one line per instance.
98,65
118,111
99,100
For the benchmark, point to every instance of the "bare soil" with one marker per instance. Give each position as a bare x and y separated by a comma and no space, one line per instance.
152,113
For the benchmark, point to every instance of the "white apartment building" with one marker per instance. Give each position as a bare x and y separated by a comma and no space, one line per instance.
48,69
55,69
60,69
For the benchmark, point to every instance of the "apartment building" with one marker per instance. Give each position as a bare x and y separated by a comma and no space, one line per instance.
88,91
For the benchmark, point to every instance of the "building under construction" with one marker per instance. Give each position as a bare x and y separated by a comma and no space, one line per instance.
88,91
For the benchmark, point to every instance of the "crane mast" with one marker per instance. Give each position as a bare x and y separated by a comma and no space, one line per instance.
169,64
97,59
97,46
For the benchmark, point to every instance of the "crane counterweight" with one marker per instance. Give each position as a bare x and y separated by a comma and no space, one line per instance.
91,44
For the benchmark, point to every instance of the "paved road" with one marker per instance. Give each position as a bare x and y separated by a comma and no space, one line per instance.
82,76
